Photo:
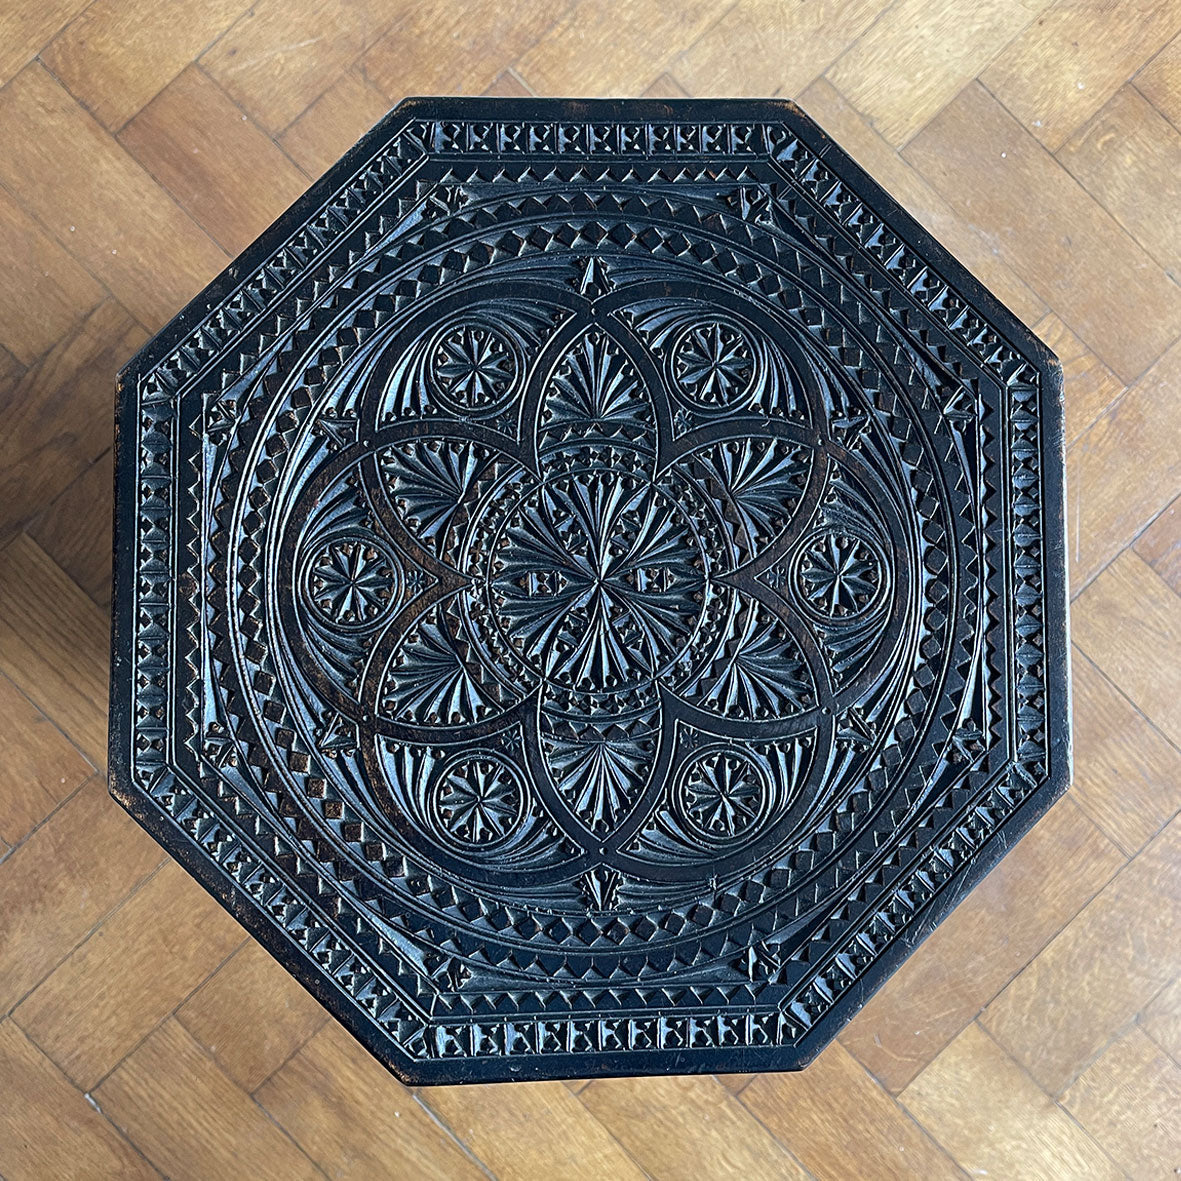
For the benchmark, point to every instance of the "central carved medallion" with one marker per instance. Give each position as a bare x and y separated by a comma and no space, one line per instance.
596,584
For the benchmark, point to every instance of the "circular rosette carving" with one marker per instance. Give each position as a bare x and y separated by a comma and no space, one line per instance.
723,363
469,364
477,802
713,365
344,582
839,575
726,802
352,581
472,804
474,368
722,795
597,580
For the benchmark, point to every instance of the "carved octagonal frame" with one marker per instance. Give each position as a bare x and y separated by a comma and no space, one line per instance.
590,588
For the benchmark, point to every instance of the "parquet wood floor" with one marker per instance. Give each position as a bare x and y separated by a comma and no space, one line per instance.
144,142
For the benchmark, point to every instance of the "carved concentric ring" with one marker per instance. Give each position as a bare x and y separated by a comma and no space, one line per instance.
595,580
597,395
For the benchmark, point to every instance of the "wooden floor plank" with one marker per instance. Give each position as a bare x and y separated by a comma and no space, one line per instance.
756,56
1160,81
530,1130
1090,387
11,371
1129,1100
839,1123
39,766
1056,236
136,967
470,44
119,54
279,57
1160,545
938,50
251,1016
54,645
1098,973
222,169
995,1121
1129,623
1015,912
47,1128
77,867
45,292
665,86
1065,66
356,1120
59,418
46,136
598,48
1129,158
26,25
334,122
1127,774
75,529
688,1127
1161,1019
507,84
190,1120
1108,500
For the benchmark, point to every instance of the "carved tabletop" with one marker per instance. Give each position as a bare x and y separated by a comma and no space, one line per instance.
590,589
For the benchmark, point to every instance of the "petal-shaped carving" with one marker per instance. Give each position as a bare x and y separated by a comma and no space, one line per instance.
600,762
431,484
596,395
758,674
435,676
756,482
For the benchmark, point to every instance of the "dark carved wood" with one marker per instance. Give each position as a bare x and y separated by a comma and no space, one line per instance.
590,588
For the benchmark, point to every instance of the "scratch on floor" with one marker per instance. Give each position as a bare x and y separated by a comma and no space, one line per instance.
247,62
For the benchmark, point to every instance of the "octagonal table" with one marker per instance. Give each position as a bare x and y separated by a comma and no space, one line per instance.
590,588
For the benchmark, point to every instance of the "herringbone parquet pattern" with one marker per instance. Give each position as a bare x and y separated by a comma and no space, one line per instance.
143,143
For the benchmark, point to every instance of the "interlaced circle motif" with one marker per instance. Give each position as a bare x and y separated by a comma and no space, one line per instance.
583,603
